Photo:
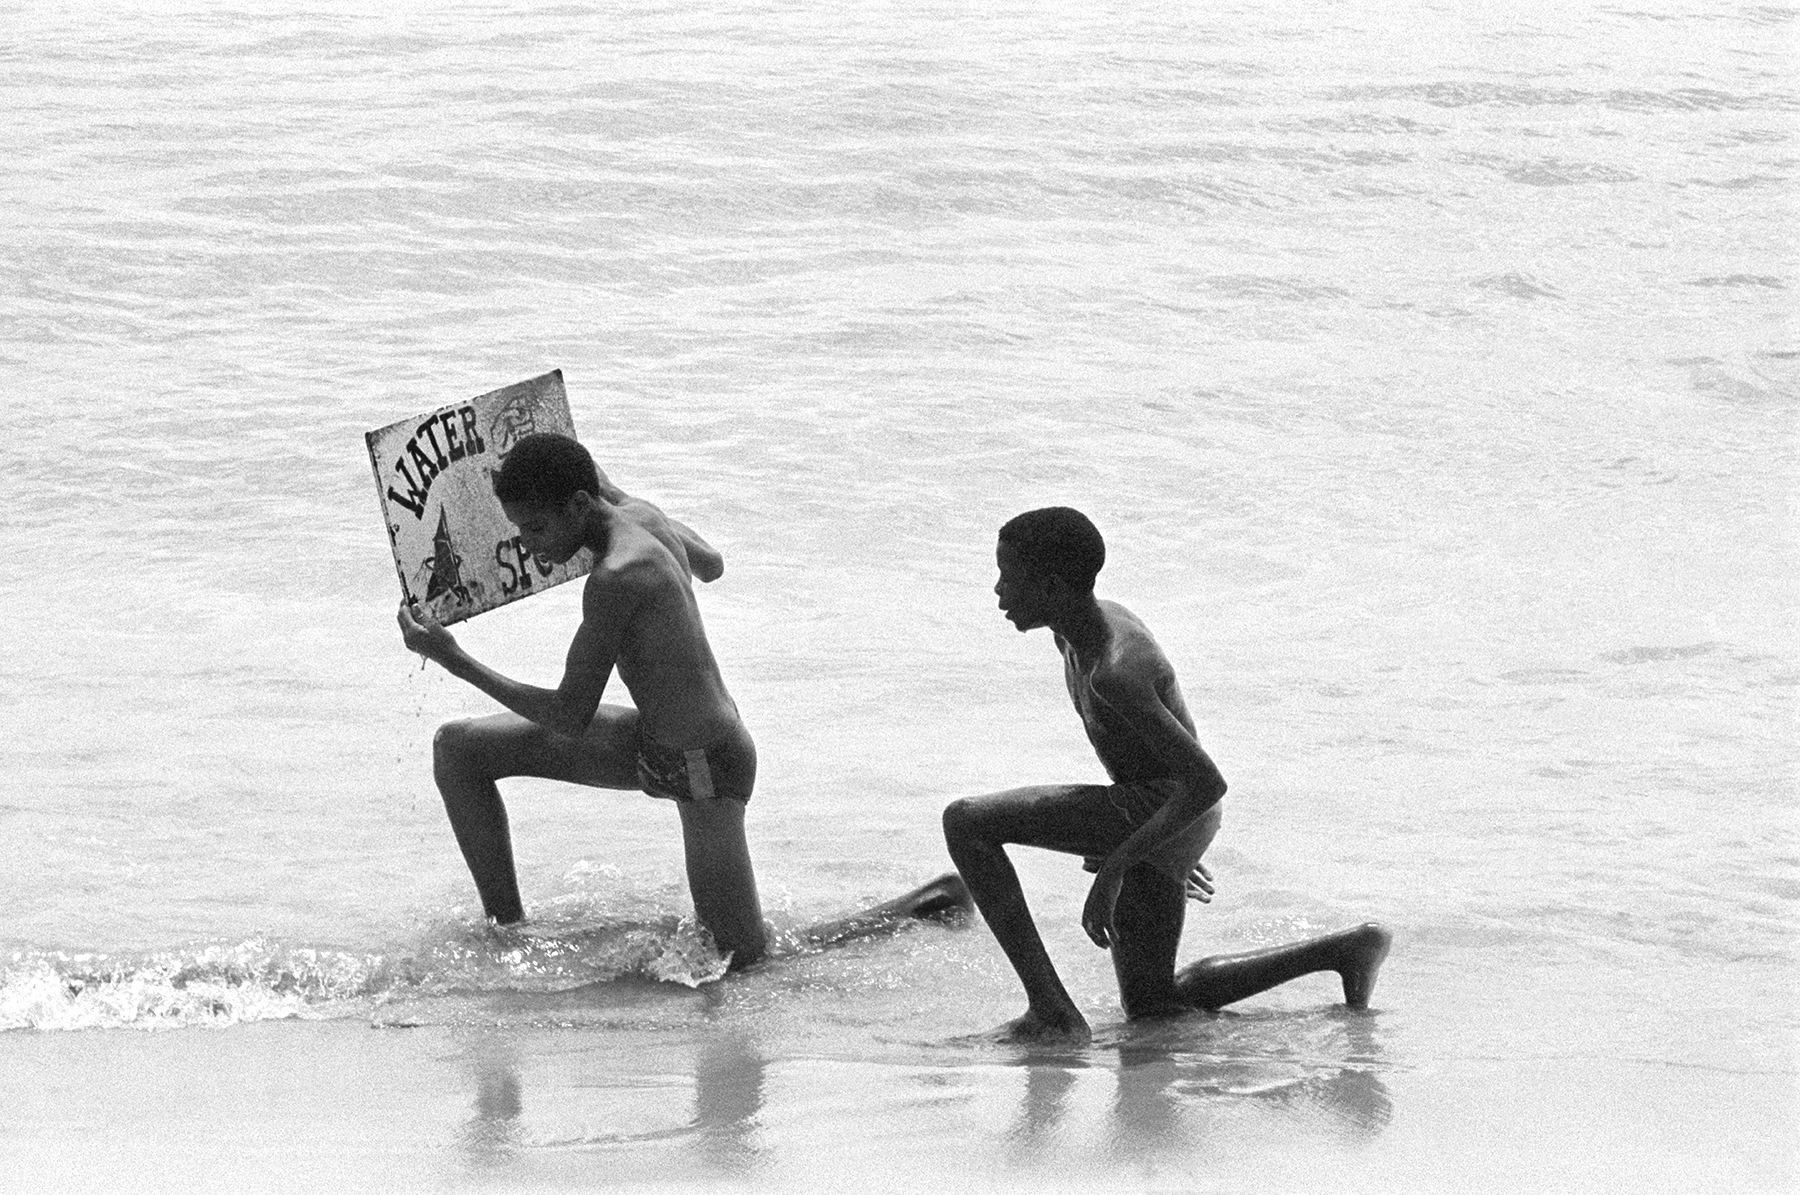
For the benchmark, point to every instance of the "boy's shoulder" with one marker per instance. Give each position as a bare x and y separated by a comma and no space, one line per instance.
1133,656
1131,635
635,563
640,511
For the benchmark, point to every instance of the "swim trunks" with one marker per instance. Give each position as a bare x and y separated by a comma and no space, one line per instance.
1137,801
724,770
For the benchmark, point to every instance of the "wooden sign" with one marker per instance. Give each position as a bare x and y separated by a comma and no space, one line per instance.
456,553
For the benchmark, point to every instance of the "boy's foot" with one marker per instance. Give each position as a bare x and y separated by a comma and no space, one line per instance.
1365,948
943,899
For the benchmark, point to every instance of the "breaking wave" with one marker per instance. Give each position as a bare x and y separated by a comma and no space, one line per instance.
259,979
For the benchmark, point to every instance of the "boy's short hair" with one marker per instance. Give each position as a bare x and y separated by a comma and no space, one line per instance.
546,469
1061,541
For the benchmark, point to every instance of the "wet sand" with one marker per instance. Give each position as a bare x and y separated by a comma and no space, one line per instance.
343,1106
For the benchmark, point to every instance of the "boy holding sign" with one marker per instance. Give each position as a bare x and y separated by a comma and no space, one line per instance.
684,742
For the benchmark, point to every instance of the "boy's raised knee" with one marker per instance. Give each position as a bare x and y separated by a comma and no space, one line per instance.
959,819
450,737
456,745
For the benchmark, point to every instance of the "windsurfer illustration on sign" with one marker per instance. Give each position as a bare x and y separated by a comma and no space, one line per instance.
444,569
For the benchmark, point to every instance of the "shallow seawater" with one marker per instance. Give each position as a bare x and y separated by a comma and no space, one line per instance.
1431,372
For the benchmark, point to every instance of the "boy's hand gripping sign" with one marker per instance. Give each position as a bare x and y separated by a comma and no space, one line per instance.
456,553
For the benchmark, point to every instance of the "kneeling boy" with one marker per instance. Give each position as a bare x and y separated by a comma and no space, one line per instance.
1144,834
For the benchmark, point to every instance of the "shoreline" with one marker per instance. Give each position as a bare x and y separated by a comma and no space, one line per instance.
347,1106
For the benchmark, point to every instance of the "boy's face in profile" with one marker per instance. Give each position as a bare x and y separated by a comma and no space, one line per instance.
1024,591
548,532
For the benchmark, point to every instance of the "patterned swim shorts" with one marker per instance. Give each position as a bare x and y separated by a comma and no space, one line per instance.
724,770
1137,801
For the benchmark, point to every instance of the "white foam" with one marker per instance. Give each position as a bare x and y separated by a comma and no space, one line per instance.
258,979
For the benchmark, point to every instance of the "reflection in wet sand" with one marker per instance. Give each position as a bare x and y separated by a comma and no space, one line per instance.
720,1136
1147,1108
492,1136
1041,1110
1157,1096
729,1076
1327,1065
1177,1084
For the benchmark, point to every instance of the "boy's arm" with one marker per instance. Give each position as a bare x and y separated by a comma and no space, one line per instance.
704,560
566,709
1199,884
1136,700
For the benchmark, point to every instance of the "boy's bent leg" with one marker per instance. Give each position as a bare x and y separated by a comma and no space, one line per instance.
1356,954
1147,929
1148,917
976,829
721,879
469,755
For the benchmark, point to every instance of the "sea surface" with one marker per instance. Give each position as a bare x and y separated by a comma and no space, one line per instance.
1430,367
